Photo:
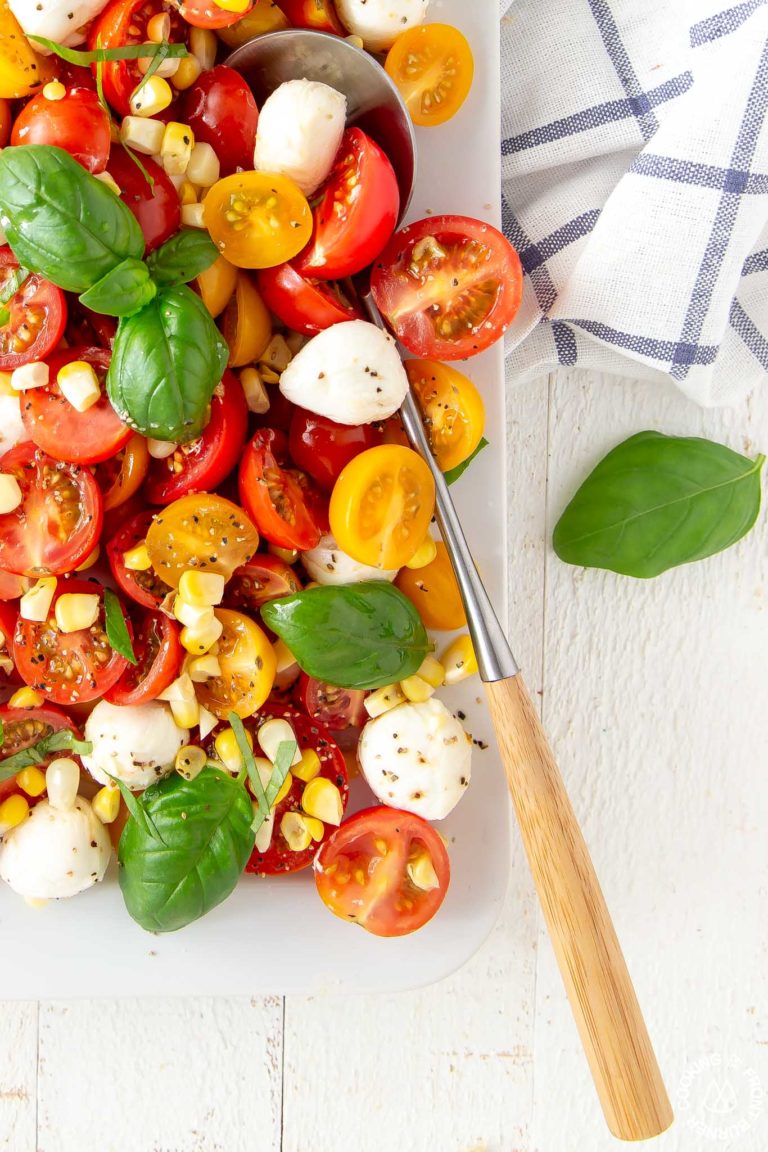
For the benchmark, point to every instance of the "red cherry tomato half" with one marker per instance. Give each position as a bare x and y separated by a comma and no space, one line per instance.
361,871
221,111
8,617
37,315
317,14
23,727
357,213
6,121
322,448
145,588
304,305
202,464
78,123
12,586
121,23
59,519
159,653
337,708
59,429
263,578
155,206
448,286
284,505
90,329
207,14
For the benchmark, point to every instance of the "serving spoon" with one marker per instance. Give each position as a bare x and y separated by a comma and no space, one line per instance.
598,984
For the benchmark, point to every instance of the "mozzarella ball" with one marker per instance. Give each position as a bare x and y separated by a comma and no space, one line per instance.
136,743
55,853
59,20
12,429
378,23
327,564
351,373
299,132
417,757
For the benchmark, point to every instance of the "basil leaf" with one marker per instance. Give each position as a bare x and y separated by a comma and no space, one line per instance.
265,797
286,750
15,281
658,501
166,361
117,631
61,221
61,741
351,635
100,55
181,258
2,734
192,854
126,289
452,475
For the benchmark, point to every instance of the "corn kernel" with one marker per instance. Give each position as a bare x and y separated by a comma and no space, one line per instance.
31,780
206,722
36,604
274,733
323,799
432,671
161,449
268,375
198,641
159,28
187,73
424,554
203,668
166,68
203,168
150,97
79,384
308,767
315,827
90,560
13,812
6,388
10,493
416,689
187,193
62,779
35,375
355,41
421,873
137,559
228,750
191,614
383,700
239,6
26,698
144,136
54,90
108,179
277,355
459,660
255,393
186,713
176,149
295,341
295,831
190,761
204,45
287,555
284,788
201,588
106,804
76,610
193,215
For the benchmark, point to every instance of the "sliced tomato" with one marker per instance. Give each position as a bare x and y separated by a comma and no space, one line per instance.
432,66
6,121
8,617
246,324
202,464
86,328
323,448
262,579
434,592
221,111
36,316
156,206
59,429
257,219
78,123
121,23
452,407
337,708
23,727
204,531
67,667
145,588
448,286
283,503
357,211
12,586
207,14
248,666
303,304
59,519
121,476
362,871
317,14
159,653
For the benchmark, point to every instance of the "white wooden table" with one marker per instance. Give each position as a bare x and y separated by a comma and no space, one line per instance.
656,697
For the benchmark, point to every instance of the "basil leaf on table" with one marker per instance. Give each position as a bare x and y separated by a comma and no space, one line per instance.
61,741
182,258
351,635
125,289
189,853
166,361
62,222
658,501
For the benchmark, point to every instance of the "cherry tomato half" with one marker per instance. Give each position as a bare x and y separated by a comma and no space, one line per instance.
432,66
262,579
155,206
59,429
302,304
23,727
121,476
448,286
159,653
452,407
434,592
248,668
284,505
357,212
257,219
145,588
37,315
317,14
362,871
337,708
207,14
202,531
121,23
6,121
323,448
221,111
264,16
8,617
78,123
246,324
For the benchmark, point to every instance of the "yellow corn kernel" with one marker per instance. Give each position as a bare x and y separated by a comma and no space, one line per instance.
198,641
383,700
31,780
459,660
323,799
176,149
159,28
415,689
79,384
424,554
355,41
228,750
108,179
190,761
202,668
36,603
161,449
192,615
54,90
34,375
6,388
204,45
203,168
277,355
316,827
206,722
287,555
284,658
10,493
186,713
274,733
193,215
90,560
240,6
187,73
432,671
145,136
308,767
62,779
268,375
421,873
76,610
255,393
26,698
13,812
106,804
137,559
201,588
166,68
150,97
187,193
295,831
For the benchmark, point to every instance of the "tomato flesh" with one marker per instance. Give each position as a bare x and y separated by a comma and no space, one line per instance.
257,219
323,448
317,14
155,206
221,111
262,579
77,123
159,654
337,708
23,727
302,304
207,14
145,588
35,316
121,23
248,668
432,66
283,504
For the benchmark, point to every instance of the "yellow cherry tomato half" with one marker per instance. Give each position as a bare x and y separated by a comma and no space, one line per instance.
217,285
265,16
432,66
257,219
248,668
381,505
434,592
201,531
22,71
246,324
452,407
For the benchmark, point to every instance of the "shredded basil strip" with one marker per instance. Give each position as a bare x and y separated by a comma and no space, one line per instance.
61,741
265,797
117,630
15,281
101,55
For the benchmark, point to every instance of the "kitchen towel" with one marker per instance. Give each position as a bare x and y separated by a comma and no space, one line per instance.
635,188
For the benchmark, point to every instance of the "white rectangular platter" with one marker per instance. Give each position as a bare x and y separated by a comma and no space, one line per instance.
275,936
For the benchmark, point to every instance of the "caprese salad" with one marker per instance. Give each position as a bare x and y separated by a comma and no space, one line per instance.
217,573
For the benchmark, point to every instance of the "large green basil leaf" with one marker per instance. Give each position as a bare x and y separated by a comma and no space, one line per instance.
62,222
166,362
183,257
123,291
351,635
185,849
658,501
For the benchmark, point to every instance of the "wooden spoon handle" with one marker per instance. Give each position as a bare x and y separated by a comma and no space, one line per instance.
594,971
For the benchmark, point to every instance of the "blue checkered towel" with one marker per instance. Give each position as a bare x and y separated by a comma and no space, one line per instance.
635,187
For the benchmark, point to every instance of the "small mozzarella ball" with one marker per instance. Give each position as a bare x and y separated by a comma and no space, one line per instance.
351,373
55,853
136,743
417,757
299,132
327,564
12,430
59,20
378,23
